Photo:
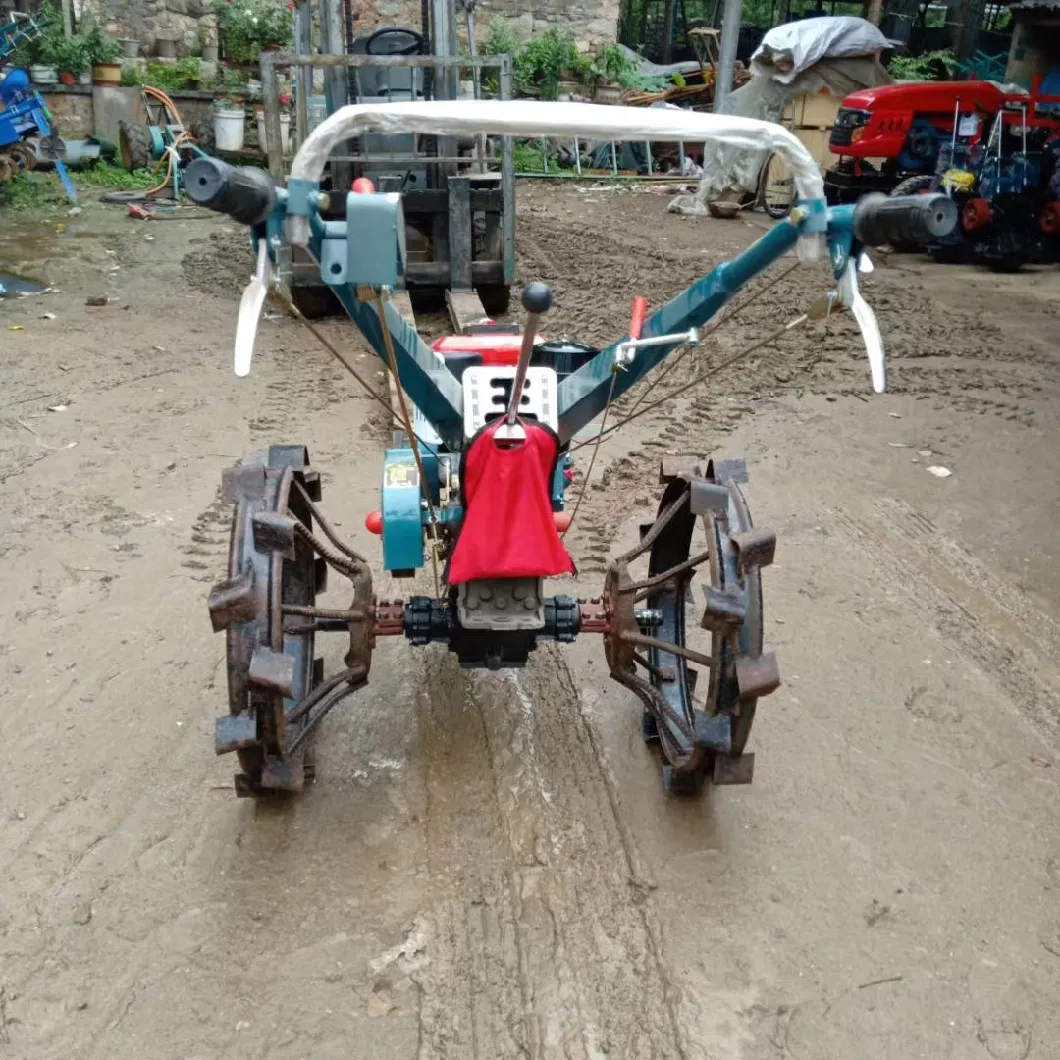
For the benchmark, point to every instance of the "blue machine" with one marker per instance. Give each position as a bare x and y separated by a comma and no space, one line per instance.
26,129
283,546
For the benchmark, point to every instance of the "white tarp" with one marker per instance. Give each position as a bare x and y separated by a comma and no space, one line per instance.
534,118
786,51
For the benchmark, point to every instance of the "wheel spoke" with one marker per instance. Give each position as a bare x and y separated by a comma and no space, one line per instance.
658,579
666,646
660,524
659,675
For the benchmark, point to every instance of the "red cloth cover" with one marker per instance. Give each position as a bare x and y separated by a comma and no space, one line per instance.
508,529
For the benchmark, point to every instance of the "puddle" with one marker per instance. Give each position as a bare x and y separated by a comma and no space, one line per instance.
12,286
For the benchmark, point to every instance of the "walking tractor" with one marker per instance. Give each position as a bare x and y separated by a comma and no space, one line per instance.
474,490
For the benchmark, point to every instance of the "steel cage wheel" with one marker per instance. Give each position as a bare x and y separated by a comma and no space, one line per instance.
277,581
693,734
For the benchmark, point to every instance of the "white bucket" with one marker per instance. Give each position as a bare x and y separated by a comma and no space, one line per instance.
285,133
228,129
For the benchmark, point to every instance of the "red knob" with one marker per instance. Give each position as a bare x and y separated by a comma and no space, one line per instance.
363,186
373,523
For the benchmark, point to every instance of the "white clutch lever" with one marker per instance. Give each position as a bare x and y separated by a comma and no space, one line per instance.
850,298
250,306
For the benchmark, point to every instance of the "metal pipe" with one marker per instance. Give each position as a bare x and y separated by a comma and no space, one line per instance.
730,39
537,299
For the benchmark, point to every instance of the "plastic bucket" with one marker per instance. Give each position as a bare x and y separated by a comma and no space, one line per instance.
285,133
228,129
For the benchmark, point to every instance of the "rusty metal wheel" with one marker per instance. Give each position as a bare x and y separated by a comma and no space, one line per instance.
271,666
23,158
647,643
276,567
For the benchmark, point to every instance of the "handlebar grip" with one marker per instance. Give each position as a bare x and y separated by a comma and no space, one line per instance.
244,193
880,219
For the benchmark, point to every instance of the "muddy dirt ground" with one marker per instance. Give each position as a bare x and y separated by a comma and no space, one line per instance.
487,866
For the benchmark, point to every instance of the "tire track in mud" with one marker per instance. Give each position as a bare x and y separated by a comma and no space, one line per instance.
988,622
542,944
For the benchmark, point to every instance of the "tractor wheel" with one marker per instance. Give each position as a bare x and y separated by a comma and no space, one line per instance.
1008,263
495,297
134,144
203,133
7,169
22,158
702,738
919,185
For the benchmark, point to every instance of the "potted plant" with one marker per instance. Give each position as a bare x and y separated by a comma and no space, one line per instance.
611,68
70,57
544,63
249,27
229,111
130,47
43,53
103,54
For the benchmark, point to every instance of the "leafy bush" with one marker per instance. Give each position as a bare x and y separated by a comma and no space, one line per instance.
68,54
101,46
931,66
540,66
248,27
183,74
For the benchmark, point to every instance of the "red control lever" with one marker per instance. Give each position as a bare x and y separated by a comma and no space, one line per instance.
640,308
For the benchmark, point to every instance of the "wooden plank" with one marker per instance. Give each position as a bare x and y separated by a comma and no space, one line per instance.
465,310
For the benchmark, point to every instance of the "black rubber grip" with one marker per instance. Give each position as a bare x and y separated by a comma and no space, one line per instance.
244,193
882,219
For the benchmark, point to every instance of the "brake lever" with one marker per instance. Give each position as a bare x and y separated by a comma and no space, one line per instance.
250,307
850,298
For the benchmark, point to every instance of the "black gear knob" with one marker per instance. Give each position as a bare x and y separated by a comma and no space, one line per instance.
537,298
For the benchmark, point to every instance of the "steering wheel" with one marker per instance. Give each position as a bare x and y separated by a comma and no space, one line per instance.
415,48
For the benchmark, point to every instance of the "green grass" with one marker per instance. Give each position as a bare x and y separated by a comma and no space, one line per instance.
40,190
116,178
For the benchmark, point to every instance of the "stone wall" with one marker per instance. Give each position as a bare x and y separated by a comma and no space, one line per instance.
151,20
590,21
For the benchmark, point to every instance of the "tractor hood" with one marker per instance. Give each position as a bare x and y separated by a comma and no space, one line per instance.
928,96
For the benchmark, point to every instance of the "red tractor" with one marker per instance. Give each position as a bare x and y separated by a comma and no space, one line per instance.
888,138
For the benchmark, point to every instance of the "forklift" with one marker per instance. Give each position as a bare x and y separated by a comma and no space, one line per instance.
458,196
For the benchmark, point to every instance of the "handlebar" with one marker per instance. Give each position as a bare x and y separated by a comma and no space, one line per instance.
880,219
244,193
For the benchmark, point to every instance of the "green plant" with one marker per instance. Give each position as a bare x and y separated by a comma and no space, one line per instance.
501,39
183,74
101,46
230,86
614,66
247,27
130,77
540,66
108,175
931,66
70,55
50,46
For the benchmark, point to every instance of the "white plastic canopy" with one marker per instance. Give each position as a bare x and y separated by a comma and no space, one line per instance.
533,118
